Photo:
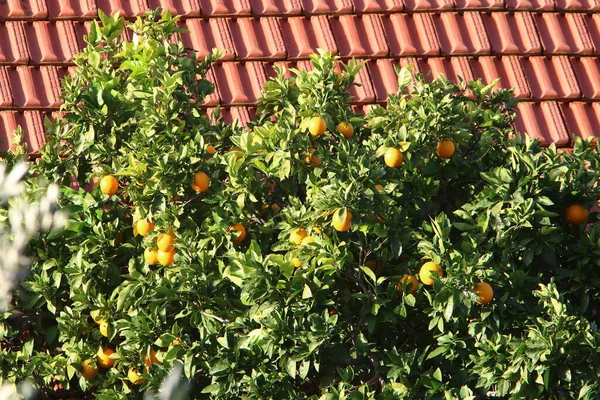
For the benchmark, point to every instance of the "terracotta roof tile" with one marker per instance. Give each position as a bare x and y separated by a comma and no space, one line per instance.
243,115
239,83
479,4
204,35
378,6
383,77
461,33
427,5
256,39
6,99
23,9
507,68
52,42
365,93
327,6
512,33
125,8
72,9
587,71
593,25
451,68
13,44
187,9
212,8
359,36
213,98
276,7
411,35
551,78
303,36
542,121
35,87
534,5
581,118
32,123
578,5
564,34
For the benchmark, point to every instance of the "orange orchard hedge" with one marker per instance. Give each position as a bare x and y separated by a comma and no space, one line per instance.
415,252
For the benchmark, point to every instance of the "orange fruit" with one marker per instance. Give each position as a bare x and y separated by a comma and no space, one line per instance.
345,129
426,271
408,282
297,235
379,187
375,266
211,150
109,185
393,157
317,126
340,222
201,182
296,262
88,371
307,240
576,214
151,256
313,160
148,361
484,291
241,229
165,241
165,257
103,357
104,328
134,376
144,227
445,148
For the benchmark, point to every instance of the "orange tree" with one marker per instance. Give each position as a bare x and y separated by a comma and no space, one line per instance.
415,252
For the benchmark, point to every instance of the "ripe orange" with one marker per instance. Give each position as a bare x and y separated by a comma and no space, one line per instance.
393,157
340,222
484,291
375,266
148,361
103,357
408,282
576,214
445,148
379,187
151,256
134,376
88,371
109,185
165,257
307,240
211,150
296,262
201,182
314,161
297,235
426,271
144,227
345,129
165,241
241,229
317,126
104,328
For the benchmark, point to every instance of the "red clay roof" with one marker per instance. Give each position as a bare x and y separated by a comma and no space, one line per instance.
546,49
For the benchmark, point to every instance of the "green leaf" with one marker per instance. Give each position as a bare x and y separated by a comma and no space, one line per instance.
306,293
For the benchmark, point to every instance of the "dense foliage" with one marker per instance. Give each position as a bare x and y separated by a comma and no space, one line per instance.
244,299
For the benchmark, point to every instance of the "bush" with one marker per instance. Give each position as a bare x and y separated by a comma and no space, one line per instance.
292,270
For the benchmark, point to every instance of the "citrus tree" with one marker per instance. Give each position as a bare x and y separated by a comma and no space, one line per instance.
420,251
